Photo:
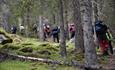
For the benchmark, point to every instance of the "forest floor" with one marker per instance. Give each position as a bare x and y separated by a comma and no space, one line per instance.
31,47
111,63
49,50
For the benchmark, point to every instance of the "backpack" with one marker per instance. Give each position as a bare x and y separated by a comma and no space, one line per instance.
55,31
100,28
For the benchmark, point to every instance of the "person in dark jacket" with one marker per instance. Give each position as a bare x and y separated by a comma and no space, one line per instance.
101,30
14,29
55,34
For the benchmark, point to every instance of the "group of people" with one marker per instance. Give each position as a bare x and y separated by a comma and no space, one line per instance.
103,34
48,31
14,29
104,37
54,32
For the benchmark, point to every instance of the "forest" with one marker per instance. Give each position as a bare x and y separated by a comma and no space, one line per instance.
57,34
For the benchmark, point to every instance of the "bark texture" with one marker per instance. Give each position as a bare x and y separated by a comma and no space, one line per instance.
62,31
78,25
90,51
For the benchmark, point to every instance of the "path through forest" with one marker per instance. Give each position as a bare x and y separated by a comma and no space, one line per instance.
111,63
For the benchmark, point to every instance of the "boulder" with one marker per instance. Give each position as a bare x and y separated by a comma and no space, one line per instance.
5,39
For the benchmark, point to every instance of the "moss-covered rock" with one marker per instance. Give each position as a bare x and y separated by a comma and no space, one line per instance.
7,41
10,47
27,49
47,46
5,38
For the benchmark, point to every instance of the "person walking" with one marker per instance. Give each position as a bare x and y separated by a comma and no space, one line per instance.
110,38
101,30
72,30
14,29
55,33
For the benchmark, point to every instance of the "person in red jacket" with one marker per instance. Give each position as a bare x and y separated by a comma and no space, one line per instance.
72,30
47,31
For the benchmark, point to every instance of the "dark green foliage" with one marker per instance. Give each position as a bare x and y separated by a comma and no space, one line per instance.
47,46
26,49
27,54
25,44
10,47
45,52
7,41
103,59
75,55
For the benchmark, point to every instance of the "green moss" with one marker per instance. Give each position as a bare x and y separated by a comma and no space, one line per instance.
2,31
10,47
26,49
27,54
39,49
14,65
47,46
25,44
18,65
103,60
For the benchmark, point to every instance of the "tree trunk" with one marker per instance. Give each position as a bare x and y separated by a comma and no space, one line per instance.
90,49
95,18
28,21
5,13
54,18
95,10
41,33
100,9
66,19
78,26
62,31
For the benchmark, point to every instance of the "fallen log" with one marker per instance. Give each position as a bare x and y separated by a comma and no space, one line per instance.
23,58
71,63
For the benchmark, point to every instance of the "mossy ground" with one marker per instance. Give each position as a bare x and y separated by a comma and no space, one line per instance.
39,49
27,65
